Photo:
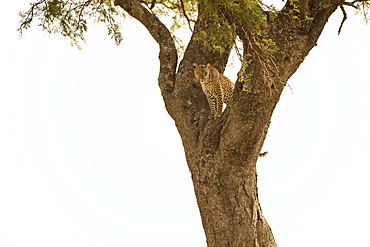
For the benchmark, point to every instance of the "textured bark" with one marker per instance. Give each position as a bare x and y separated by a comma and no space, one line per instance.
222,153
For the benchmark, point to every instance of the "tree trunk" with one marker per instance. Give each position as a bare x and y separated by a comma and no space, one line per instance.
222,153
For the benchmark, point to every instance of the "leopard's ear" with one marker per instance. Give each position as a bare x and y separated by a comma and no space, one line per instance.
195,65
208,65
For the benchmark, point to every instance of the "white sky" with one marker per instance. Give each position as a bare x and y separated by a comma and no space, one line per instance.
89,157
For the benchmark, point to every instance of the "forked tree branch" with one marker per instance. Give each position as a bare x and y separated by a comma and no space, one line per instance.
352,4
167,49
355,1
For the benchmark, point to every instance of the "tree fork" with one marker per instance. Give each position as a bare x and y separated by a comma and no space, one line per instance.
222,153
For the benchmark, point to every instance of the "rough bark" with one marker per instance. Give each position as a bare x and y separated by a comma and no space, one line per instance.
221,153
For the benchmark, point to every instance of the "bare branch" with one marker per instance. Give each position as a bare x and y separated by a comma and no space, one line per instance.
184,13
343,20
359,1
353,3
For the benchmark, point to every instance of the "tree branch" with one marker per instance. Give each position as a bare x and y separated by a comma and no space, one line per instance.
167,49
355,1
343,20
184,13
352,4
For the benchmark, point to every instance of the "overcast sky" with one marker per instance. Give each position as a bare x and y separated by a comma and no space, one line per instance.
89,156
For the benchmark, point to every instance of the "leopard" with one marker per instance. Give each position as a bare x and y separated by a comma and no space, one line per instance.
217,87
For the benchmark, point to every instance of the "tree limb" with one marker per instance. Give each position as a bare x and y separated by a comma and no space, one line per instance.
167,49
357,1
343,20
352,4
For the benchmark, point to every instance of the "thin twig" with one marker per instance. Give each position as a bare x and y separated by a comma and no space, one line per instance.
358,1
344,18
291,89
238,51
352,4
29,17
184,13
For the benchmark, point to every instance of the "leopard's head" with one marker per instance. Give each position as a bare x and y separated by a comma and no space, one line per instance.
201,72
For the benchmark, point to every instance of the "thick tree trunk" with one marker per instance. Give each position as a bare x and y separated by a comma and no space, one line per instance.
222,152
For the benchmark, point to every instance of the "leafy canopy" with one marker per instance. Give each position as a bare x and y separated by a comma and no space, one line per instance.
70,18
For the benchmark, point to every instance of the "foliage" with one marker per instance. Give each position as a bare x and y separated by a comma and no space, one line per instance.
363,9
69,18
226,19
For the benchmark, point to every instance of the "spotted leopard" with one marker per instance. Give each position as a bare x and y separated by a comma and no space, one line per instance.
217,87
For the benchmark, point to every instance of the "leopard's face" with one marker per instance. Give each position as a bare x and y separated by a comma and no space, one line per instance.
201,72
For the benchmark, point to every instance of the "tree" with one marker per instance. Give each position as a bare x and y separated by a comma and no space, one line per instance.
222,152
